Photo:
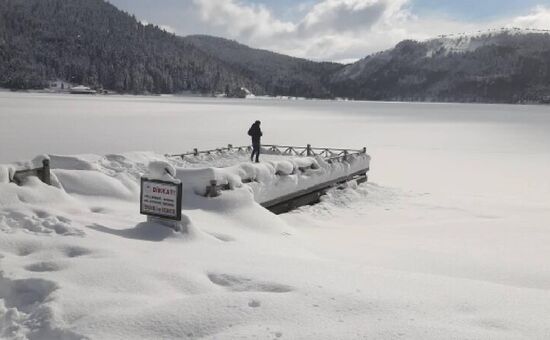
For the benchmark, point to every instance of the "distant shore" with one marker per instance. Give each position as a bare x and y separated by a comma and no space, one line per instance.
265,97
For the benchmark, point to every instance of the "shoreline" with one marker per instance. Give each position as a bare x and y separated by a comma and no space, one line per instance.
266,98
262,97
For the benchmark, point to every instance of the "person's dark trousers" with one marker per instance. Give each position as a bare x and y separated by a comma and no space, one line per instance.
255,151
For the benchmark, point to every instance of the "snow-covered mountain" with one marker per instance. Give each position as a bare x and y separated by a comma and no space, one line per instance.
494,66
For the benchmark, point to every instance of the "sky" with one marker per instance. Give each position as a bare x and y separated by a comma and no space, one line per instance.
335,30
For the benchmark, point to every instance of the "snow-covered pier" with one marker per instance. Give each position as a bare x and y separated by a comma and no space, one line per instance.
289,176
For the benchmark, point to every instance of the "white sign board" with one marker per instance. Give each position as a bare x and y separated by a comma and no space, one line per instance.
161,198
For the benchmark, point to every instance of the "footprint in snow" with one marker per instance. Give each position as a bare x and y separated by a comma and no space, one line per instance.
99,210
27,299
25,294
244,284
254,303
223,237
44,267
41,222
76,251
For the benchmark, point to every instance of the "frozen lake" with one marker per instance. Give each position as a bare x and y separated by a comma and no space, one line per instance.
499,149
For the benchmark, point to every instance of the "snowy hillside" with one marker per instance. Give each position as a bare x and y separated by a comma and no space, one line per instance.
462,43
278,74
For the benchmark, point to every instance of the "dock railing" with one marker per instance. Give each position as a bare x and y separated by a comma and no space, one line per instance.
328,154
218,151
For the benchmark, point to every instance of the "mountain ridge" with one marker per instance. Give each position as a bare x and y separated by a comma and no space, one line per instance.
92,42
502,67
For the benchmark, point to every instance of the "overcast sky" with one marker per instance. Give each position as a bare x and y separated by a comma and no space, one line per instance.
335,30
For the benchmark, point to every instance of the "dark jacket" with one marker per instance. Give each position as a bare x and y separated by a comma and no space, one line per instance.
255,132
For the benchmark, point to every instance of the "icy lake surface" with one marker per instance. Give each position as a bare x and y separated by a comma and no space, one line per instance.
494,148
450,238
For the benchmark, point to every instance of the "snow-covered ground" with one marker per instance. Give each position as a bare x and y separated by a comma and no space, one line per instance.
449,239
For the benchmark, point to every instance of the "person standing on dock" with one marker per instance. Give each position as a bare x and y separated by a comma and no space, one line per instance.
256,133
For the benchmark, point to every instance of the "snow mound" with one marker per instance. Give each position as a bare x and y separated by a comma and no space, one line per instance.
6,172
94,183
81,162
161,170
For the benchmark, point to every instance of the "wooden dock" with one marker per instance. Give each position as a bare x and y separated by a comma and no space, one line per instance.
311,195
298,198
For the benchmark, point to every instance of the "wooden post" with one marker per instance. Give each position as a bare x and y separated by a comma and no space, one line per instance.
212,190
196,151
309,153
46,176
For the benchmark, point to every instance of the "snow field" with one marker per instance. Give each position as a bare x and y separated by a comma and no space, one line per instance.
84,264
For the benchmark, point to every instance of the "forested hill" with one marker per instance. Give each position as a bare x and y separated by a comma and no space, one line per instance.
499,66
278,74
93,43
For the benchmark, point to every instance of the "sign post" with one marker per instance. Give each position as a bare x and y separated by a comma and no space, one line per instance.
161,200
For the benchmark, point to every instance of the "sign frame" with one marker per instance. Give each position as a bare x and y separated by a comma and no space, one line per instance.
179,189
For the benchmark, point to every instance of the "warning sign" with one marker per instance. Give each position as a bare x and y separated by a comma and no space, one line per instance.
160,198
